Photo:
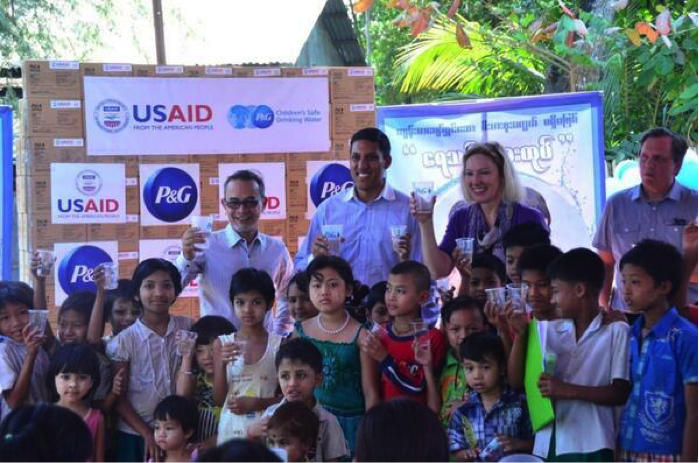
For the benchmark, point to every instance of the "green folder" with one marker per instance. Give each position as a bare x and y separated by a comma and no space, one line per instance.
540,408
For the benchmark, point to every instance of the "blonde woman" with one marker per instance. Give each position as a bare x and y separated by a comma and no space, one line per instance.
489,182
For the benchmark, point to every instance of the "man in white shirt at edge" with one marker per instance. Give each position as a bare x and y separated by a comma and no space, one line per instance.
237,246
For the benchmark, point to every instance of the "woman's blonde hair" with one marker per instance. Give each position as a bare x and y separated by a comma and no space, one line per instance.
510,186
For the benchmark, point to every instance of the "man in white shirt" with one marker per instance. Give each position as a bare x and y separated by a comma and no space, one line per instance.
237,246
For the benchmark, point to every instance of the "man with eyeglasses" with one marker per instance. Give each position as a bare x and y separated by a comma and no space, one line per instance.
238,246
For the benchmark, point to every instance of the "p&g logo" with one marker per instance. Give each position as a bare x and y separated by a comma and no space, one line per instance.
250,117
111,115
329,180
75,269
170,194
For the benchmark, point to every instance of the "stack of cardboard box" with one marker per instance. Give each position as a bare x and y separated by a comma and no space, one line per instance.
53,131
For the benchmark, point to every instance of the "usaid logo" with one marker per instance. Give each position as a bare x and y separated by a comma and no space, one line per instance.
111,115
88,182
75,269
329,180
171,253
250,117
170,194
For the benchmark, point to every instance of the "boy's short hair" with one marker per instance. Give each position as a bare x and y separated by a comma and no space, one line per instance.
460,303
180,409
538,257
124,290
377,294
526,234
490,262
420,273
579,265
662,261
80,302
250,279
147,267
210,327
478,346
300,279
73,358
16,292
297,419
300,350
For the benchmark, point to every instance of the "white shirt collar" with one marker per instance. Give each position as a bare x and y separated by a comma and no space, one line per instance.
232,237
387,193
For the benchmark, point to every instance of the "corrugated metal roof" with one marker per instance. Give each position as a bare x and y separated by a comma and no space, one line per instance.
337,22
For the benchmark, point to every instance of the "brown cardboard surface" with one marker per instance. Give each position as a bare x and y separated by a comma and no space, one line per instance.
52,79
133,200
106,69
126,266
41,232
143,70
209,196
305,72
273,228
34,194
37,153
52,118
296,197
163,232
352,85
208,165
297,225
346,119
340,147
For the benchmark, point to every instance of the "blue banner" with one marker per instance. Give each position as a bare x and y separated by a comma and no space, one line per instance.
6,189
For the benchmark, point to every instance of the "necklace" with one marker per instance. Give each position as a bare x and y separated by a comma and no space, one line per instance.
327,331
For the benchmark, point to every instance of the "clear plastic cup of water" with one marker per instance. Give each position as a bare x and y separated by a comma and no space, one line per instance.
497,296
466,247
333,233
421,332
111,275
185,341
424,192
205,224
46,260
397,232
38,320
517,293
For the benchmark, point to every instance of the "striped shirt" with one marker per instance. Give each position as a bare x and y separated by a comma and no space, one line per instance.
12,355
366,229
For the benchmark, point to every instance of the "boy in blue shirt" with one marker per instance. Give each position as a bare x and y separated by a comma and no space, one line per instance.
659,422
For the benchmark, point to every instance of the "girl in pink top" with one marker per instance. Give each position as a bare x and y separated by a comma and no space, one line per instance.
75,368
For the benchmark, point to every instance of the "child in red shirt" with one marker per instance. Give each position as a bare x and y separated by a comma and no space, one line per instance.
409,359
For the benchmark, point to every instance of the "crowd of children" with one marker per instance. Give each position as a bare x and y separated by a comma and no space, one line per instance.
381,385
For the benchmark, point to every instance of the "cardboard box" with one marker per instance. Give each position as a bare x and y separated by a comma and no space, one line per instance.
196,309
346,119
296,189
143,70
209,195
276,228
297,225
52,79
208,165
182,307
133,200
305,72
37,153
52,118
352,85
41,232
159,159
169,70
218,71
34,194
122,232
272,157
340,147
156,232
106,69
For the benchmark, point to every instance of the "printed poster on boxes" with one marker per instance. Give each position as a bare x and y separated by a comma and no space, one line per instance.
88,193
75,263
168,250
169,193
325,179
274,176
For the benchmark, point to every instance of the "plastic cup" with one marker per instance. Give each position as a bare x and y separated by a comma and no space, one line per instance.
517,292
111,275
46,261
205,224
497,296
38,319
466,247
185,342
397,232
333,233
421,331
424,191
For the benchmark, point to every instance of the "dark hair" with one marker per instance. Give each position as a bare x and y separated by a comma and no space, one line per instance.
124,290
80,302
44,432
74,358
209,327
239,450
374,135
148,267
246,175
490,262
300,279
16,292
679,143
300,350
579,265
526,234
538,257
336,263
401,430
460,303
180,409
419,272
662,261
251,279
299,420
377,294
478,346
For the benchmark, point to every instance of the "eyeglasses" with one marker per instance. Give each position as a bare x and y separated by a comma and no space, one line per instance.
247,204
